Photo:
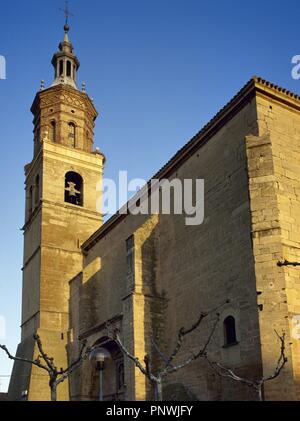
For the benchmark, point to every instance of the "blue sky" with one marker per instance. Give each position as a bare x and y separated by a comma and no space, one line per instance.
158,70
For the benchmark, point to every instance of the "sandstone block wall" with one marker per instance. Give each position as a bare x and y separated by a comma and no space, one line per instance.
182,270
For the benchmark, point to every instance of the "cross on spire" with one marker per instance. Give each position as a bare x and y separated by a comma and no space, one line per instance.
64,61
66,12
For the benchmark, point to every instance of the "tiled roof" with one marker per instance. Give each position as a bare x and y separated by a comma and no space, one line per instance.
255,84
279,89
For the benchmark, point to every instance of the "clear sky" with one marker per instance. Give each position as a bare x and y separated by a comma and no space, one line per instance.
158,70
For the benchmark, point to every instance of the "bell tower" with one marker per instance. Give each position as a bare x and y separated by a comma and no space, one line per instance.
62,199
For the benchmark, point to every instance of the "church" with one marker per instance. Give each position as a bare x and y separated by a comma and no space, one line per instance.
150,275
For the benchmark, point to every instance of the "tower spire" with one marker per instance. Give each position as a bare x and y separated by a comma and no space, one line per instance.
65,63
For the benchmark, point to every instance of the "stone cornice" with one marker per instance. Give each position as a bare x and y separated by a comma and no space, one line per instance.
93,215
95,159
78,209
49,247
52,148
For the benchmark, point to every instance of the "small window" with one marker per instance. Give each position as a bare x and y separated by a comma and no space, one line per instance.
69,68
37,190
229,331
53,131
72,135
61,68
30,199
74,189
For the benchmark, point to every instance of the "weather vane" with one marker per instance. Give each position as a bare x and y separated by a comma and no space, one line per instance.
67,12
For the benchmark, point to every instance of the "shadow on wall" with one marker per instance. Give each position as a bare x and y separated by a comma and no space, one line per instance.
155,304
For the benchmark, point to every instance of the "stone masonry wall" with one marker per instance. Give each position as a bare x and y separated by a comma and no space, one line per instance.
192,268
274,170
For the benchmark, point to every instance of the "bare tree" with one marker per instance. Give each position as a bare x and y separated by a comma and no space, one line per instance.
256,384
168,366
56,376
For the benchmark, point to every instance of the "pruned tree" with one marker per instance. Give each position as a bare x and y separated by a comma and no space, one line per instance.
258,383
43,361
168,364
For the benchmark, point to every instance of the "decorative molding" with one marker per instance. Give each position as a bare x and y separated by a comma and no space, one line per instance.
99,327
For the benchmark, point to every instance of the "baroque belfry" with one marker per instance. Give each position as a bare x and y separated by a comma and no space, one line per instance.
62,194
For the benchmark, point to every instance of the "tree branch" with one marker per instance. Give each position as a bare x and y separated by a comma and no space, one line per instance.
194,357
48,361
182,332
281,361
66,373
147,365
227,373
169,367
203,350
24,360
257,384
80,358
136,361
56,377
160,353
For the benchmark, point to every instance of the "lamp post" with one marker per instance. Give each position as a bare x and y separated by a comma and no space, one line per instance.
97,359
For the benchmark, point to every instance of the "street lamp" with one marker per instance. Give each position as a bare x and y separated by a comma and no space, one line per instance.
97,359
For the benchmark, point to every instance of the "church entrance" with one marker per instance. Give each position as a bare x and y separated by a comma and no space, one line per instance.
113,374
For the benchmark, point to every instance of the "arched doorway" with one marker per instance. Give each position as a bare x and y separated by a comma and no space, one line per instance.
113,374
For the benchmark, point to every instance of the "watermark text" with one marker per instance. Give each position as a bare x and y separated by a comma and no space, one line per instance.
2,68
165,197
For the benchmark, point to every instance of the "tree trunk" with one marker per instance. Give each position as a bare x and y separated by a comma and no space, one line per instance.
260,394
53,391
158,390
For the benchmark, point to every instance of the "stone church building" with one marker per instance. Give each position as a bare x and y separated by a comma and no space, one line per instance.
150,275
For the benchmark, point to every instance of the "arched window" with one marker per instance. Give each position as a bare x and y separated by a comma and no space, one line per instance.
53,131
229,331
72,135
37,190
61,68
69,68
74,188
